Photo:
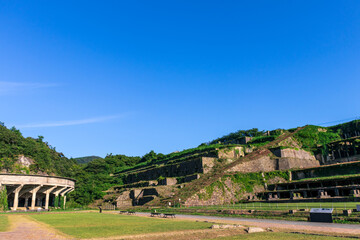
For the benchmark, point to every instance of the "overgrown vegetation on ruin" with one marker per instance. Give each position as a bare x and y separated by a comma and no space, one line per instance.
244,183
96,176
331,171
311,137
3,199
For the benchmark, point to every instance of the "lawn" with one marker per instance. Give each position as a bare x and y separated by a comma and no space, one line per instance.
3,223
91,225
281,236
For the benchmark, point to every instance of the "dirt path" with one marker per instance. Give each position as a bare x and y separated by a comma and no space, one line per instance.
179,235
325,228
24,228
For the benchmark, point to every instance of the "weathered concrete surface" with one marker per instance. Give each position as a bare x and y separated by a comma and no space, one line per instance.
13,179
261,164
284,159
290,163
124,200
167,181
293,153
233,153
35,189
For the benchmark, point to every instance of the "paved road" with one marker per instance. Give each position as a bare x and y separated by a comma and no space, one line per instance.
293,225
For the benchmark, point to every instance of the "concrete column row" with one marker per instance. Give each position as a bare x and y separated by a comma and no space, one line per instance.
62,191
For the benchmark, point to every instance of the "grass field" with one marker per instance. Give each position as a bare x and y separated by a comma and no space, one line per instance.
281,236
91,225
3,223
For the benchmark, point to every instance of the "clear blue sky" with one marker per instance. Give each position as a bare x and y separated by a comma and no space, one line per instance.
127,77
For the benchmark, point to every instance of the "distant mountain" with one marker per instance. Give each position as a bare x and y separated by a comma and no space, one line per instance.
87,159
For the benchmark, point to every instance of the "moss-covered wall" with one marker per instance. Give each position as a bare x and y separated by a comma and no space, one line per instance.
3,199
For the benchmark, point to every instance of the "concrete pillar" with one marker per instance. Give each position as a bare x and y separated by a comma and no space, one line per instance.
48,196
305,194
291,195
34,199
57,192
16,197
26,202
276,196
63,194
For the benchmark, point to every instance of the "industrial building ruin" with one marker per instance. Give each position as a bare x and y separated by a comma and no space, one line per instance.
31,192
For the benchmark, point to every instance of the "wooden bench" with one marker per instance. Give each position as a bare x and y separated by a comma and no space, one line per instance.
170,215
155,214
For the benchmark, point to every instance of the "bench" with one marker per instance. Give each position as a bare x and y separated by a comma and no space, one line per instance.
170,215
123,212
154,214
131,212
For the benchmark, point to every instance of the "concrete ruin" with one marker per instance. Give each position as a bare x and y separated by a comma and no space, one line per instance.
309,190
346,150
30,192
278,159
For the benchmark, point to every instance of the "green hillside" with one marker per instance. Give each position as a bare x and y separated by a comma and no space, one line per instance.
46,159
84,160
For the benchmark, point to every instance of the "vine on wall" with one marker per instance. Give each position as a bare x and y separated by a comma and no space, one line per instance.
3,199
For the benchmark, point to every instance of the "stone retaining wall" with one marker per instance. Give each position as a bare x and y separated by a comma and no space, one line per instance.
197,165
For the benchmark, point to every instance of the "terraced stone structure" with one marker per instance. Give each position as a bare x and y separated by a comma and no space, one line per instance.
142,184
35,191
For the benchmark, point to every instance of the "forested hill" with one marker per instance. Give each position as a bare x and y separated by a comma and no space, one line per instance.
45,159
87,159
94,176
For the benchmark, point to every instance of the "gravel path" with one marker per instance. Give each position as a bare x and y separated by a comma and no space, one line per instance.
353,229
24,228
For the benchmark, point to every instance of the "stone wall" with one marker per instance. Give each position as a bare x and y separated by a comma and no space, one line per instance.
290,163
136,197
167,181
207,164
191,177
232,153
293,153
284,159
262,164
124,200
193,166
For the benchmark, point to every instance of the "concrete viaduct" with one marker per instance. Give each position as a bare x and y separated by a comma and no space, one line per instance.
35,191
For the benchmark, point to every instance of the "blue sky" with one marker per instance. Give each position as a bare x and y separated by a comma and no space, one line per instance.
127,77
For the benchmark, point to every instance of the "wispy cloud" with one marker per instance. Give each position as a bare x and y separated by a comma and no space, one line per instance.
14,87
70,122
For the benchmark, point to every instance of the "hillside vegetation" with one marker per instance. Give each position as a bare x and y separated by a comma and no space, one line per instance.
46,159
95,175
87,159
